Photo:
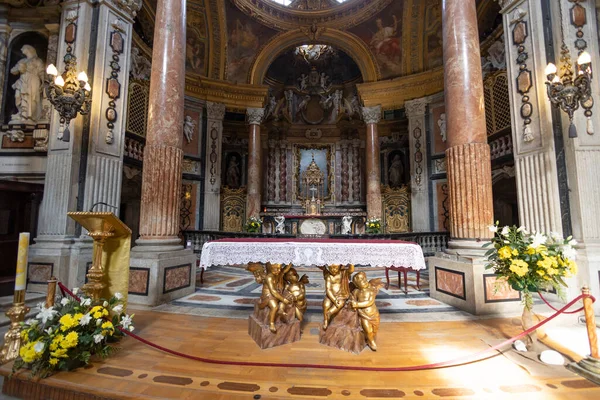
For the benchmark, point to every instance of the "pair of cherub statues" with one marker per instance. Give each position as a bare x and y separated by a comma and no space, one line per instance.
283,289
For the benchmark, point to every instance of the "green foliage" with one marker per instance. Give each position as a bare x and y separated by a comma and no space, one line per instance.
67,335
530,261
253,225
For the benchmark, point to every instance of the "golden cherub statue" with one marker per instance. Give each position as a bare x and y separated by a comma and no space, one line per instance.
362,300
296,292
272,281
337,290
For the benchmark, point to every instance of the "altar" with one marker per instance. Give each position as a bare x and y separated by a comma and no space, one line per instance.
313,252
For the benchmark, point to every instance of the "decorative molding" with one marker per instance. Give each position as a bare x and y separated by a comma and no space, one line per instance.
417,134
235,97
371,115
215,111
524,80
280,17
392,94
255,115
113,86
130,7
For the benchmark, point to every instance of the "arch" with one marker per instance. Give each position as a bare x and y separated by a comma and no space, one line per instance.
347,42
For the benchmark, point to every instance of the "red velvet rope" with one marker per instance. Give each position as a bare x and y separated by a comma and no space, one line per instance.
478,356
564,312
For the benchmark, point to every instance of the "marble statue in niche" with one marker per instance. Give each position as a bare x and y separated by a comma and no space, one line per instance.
395,171
189,126
233,173
28,88
346,225
280,227
442,125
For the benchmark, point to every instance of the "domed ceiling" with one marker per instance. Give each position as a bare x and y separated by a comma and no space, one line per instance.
224,37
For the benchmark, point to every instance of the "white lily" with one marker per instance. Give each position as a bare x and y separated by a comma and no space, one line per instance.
493,228
64,301
85,320
126,321
86,302
75,290
98,338
538,239
39,347
118,308
118,296
105,304
46,314
505,231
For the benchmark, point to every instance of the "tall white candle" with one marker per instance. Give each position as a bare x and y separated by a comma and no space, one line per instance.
21,277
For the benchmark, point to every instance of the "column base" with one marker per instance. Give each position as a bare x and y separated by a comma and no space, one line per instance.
65,257
467,247
156,245
464,283
589,368
159,277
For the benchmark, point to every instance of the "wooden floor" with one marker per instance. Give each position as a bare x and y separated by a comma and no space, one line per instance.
139,372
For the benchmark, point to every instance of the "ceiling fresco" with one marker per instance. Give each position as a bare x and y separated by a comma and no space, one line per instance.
225,36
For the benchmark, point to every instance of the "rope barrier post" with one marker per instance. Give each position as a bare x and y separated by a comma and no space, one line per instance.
589,367
51,295
590,322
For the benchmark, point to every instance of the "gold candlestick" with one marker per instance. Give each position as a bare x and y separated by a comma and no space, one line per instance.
12,338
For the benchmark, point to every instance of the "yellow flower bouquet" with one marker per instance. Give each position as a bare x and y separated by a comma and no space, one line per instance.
531,261
253,225
65,336
373,226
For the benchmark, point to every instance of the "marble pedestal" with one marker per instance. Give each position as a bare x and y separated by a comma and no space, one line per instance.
159,277
464,283
344,332
68,259
288,331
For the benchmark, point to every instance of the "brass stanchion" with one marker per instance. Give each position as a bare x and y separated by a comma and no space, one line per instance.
51,295
589,367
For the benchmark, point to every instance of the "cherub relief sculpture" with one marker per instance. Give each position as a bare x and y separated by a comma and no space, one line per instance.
362,300
337,290
271,277
294,291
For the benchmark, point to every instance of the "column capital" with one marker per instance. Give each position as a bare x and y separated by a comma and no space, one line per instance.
215,110
255,115
371,115
130,7
416,108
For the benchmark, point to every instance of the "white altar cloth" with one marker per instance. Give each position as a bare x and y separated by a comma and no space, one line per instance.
313,252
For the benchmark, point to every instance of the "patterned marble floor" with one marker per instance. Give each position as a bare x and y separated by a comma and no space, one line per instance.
230,292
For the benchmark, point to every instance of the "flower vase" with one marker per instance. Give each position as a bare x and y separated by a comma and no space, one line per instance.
527,322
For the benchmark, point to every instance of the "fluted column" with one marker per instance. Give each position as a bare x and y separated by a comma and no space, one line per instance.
163,154
255,116
468,154
215,113
372,116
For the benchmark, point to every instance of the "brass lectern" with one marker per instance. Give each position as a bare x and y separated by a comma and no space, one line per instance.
109,272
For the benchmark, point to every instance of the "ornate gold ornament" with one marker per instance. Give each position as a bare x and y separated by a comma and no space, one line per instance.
396,209
236,97
233,209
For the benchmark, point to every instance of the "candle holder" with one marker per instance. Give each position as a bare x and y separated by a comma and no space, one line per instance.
12,338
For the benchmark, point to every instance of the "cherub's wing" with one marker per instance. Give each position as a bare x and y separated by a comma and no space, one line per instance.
377,283
258,271
304,279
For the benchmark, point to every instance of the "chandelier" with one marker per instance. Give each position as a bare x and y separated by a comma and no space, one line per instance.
567,90
69,93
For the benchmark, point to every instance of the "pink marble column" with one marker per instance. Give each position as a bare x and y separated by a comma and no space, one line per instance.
163,154
468,153
255,116
372,116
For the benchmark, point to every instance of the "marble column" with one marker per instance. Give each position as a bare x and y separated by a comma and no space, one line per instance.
87,169
215,113
171,269
419,171
283,147
255,116
468,153
372,116
4,36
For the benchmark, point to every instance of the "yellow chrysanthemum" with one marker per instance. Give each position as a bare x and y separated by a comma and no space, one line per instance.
70,340
98,312
67,322
504,252
59,353
108,328
53,361
519,267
